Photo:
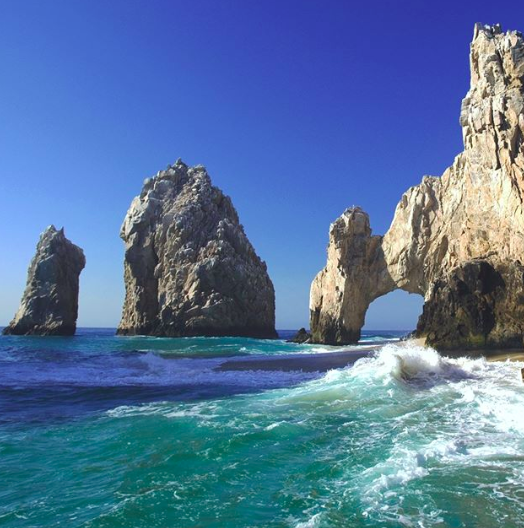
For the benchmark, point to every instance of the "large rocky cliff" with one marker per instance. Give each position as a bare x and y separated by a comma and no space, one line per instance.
189,268
457,240
49,304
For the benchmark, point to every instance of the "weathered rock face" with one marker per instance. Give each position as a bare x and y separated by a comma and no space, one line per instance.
49,305
355,274
447,230
189,268
475,305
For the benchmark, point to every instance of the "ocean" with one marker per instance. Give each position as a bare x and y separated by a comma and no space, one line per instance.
105,431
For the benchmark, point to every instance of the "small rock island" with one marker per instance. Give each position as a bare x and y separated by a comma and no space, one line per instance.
189,268
457,240
49,304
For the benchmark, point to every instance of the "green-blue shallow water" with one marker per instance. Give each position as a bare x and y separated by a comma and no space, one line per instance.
102,431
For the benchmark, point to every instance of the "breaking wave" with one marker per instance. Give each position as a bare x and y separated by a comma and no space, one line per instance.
404,437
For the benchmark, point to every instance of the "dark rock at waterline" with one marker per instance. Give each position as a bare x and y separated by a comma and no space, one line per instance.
302,336
477,305
49,305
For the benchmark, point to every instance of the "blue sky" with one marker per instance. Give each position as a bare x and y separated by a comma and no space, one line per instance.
298,109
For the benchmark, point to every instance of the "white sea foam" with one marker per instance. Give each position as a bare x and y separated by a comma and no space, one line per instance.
166,409
411,363
274,425
146,369
430,415
312,522
451,413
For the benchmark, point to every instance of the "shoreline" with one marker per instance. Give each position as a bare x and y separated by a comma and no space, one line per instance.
506,356
322,362
318,362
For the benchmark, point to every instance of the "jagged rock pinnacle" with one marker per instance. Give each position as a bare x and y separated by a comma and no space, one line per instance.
49,305
189,268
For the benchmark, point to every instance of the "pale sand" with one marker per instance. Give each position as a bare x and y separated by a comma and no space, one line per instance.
490,355
504,356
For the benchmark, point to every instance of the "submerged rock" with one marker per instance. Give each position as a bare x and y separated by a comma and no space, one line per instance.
189,268
457,240
302,336
49,305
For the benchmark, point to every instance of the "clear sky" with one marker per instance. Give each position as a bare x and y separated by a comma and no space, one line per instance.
297,108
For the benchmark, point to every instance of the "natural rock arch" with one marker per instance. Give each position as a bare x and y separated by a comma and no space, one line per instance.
355,275
458,240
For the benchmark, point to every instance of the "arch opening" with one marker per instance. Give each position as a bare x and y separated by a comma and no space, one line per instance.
396,311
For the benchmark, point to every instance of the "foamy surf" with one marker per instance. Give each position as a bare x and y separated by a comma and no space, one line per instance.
404,437
140,370
410,362
461,413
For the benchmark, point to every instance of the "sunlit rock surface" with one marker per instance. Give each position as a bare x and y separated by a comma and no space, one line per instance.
189,268
457,240
49,304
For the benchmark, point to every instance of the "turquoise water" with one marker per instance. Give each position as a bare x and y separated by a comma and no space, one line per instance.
101,431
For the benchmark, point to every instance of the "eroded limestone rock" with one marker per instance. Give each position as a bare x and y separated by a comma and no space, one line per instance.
475,305
49,305
355,274
189,268
446,227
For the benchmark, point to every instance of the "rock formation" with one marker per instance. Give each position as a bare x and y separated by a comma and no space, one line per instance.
49,305
302,336
457,240
189,268
354,276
